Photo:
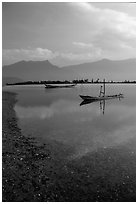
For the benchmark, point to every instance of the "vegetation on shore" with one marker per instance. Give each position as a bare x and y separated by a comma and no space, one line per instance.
75,81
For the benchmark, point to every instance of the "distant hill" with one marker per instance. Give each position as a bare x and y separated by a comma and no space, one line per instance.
111,70
31,70
44,70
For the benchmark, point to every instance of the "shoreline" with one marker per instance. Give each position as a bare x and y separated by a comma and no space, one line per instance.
40,173
69,83
21,158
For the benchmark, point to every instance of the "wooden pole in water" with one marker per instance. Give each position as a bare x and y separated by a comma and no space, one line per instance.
100,91
104,86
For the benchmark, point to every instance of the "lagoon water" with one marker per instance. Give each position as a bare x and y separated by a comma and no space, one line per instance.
84,132
56,114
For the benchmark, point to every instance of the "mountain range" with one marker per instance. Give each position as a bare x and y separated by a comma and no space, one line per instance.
44,70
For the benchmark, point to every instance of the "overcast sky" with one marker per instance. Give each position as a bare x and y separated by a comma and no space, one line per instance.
68,33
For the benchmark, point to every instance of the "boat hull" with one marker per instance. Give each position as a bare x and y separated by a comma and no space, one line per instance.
54,86
100,97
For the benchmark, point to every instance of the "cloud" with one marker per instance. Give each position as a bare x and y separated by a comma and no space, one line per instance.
83,45
84,6
110,30
101,33
69,31
110,19
27,54
15,55
82,56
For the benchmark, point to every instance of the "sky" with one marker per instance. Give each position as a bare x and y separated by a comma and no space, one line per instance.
68,33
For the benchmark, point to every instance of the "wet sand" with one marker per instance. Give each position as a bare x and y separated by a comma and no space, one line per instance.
33,172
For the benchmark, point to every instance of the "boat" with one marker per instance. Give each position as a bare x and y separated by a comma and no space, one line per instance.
98,98
59,86
102,95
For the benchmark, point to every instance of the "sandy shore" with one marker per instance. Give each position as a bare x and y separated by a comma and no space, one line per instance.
26,165
39,173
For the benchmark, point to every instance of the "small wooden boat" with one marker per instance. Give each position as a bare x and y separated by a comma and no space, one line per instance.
101,96
59,86
98,98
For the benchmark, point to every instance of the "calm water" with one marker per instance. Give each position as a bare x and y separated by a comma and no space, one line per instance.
56,116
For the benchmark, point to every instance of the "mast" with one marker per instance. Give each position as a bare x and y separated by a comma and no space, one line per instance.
104,87
100,91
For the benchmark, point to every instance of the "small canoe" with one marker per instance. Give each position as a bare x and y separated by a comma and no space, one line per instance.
98,98
59,86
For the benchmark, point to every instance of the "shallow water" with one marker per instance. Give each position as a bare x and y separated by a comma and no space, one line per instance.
56,115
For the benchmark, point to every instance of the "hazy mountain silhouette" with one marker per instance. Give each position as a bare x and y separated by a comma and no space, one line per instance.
111,70
44,70
31,70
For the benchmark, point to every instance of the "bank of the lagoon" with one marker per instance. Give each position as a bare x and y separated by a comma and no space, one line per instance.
33,171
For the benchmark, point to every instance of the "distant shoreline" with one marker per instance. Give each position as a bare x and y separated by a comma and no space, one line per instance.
68,82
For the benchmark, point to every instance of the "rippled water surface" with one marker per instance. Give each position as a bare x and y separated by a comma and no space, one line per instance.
56,115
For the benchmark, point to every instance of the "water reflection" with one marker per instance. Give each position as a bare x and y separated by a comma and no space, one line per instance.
101,103
94,153
55,109
57,115
82,128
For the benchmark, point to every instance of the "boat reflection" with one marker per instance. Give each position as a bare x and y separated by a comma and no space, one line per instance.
101,98
85,102
101,103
